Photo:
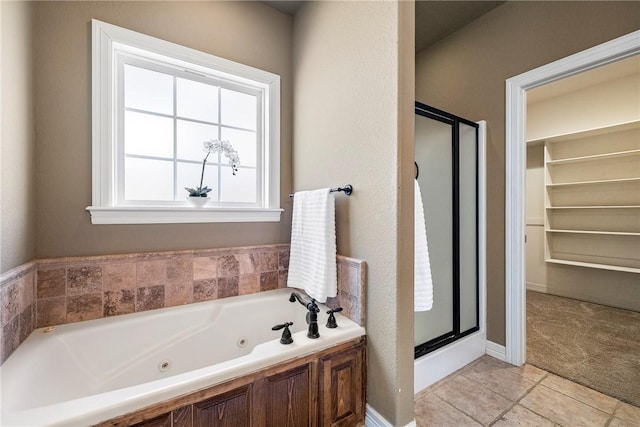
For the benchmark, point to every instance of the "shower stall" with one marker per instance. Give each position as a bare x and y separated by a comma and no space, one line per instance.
449,167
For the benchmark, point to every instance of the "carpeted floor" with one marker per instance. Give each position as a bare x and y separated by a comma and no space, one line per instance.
593,345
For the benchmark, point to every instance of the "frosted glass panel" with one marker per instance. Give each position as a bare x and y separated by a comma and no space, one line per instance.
240,187
468,228
197,100
239,109
189,176
148,90
245,142
190,140
434,157
148,179
148,135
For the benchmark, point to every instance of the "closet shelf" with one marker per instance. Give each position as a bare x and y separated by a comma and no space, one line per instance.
610,233
597,182
596,207
592,196
594,265
605,156
600,130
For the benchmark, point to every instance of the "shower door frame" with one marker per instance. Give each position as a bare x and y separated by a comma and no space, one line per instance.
454,121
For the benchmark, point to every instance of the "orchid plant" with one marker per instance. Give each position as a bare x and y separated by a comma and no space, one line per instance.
215,146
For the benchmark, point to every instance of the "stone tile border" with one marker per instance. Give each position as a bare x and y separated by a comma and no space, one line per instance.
17,307
83,288
352,278
55,291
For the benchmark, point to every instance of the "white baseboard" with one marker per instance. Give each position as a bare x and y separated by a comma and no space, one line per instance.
374,419
537,287
497,351
432,367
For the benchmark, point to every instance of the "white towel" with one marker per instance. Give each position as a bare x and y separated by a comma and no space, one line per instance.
423,285
312,258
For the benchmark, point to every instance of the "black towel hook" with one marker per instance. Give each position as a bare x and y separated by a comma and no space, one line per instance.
417,169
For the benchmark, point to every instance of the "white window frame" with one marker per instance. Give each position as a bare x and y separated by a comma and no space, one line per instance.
109,40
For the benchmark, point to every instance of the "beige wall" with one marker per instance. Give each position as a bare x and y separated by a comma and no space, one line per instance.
17,190
247,32
465,74
536,267
353,108
604,104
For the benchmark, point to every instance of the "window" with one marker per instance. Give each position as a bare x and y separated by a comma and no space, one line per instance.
155,104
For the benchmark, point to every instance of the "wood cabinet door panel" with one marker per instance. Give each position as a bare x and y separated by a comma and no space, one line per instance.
163,420
341,389
231,409
182,417
288,398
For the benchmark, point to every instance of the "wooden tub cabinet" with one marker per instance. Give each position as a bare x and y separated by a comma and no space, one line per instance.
321,389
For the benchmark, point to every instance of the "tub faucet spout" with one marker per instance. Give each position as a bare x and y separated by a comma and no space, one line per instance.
312,314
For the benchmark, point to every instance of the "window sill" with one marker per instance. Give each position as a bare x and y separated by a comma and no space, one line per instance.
179,215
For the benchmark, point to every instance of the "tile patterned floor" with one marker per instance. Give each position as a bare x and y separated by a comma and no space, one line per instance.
489,392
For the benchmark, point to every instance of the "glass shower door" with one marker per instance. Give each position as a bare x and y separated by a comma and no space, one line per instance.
447,172
434,158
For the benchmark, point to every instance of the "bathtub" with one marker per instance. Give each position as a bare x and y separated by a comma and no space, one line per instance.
87,372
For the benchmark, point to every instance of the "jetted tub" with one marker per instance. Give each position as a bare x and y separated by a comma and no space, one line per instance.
87,372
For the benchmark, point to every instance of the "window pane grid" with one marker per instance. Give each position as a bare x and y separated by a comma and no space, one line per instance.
175,140
220,170
186,119
243,121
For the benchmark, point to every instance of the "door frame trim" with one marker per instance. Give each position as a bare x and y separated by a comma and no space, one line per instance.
515,145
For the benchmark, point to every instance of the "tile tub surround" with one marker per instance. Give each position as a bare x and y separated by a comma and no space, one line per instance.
17,307
55,291
352,277
83,288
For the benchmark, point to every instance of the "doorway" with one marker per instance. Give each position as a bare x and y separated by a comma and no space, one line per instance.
583,228
516,88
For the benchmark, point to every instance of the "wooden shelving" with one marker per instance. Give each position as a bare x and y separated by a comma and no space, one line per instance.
610,233
592,198
606,156
595,182
594,265
595,207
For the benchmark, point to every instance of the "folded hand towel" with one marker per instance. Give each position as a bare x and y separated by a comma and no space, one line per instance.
423,286
312,258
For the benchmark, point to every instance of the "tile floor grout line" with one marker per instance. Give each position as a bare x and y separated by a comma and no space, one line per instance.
517,401
460,410
613,414
606,424
465,373
514,403
441,382
580,401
